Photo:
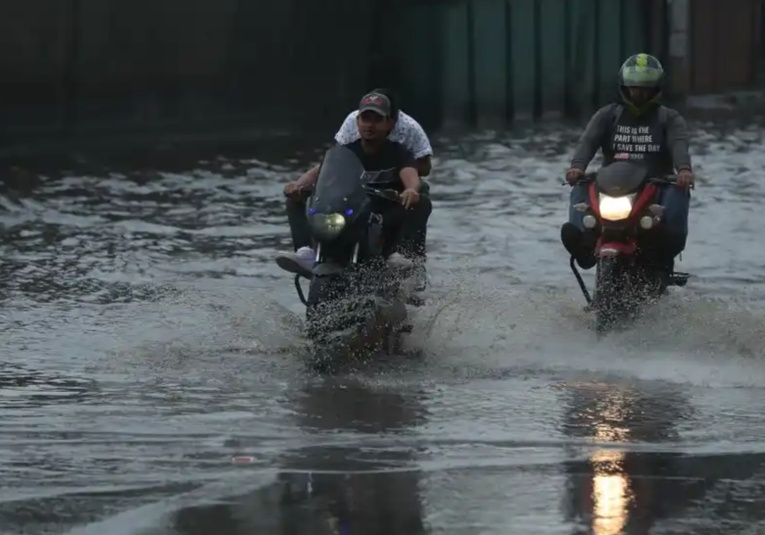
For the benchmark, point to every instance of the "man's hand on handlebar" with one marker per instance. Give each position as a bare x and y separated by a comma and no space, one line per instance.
295,189
573,175
685,179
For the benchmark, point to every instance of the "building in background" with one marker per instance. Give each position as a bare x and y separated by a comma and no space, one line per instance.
490,62
96,67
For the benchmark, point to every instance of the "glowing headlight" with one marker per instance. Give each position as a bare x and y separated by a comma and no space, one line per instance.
327,226
615,208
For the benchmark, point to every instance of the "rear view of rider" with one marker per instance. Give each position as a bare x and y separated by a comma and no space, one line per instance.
639,129
376,153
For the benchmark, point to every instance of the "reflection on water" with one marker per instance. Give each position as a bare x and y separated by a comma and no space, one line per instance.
338,489
620,488
611,494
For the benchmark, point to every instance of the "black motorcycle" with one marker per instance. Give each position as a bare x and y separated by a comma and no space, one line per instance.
356,304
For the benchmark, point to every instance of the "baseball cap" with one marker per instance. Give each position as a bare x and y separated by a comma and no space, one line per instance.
376,102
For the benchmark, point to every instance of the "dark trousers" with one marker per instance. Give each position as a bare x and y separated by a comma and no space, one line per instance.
676,204
298,221
405,229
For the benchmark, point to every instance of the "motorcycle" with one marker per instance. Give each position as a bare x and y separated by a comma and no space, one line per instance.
623,215
356,304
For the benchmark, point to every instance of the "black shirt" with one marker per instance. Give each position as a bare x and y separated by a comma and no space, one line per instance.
391,156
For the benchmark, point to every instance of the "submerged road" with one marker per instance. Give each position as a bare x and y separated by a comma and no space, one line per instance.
148,338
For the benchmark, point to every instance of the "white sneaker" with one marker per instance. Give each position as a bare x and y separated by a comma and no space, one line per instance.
420,277
396,261
300,262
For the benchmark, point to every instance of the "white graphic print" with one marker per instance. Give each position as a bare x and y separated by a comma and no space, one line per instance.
636,141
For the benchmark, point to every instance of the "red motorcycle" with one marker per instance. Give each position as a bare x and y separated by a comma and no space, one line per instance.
624,216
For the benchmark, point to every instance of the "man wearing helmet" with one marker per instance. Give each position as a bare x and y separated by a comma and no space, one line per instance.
636,128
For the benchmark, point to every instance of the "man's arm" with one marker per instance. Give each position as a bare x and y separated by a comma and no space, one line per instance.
591,139
407,168
677,141
348,132
308,179
424,166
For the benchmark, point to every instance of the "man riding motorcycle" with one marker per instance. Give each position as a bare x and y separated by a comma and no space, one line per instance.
638,129
407,132
376,153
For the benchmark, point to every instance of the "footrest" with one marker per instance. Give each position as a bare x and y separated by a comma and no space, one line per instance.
678,279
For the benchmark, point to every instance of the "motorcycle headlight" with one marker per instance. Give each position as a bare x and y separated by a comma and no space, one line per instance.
615,208
327,226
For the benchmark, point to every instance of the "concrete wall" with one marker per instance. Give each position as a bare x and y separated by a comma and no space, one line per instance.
91,67
78,66
724,42
491,62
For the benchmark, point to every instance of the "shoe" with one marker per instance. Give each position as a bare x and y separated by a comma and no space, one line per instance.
397,261
573,240
420,277
300,262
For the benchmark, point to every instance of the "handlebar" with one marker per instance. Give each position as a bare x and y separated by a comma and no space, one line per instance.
387,194
662,179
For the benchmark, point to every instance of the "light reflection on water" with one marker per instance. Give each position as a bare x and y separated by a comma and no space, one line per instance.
611,493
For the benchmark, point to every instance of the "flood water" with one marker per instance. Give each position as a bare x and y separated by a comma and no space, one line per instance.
148,340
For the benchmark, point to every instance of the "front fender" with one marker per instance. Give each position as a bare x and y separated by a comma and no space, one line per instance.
605,249
327,269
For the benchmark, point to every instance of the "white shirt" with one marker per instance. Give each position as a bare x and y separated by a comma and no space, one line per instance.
407,131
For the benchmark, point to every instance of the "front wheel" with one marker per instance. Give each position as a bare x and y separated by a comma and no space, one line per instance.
332,306
612,302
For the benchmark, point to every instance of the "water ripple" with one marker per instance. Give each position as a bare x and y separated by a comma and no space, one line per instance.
148,340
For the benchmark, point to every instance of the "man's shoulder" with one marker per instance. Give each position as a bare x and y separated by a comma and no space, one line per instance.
407,124
610,109
407,119
667,113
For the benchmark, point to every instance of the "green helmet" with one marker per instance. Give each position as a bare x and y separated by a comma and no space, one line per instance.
641,71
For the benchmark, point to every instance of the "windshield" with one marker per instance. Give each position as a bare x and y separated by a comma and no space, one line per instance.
340,184
621,178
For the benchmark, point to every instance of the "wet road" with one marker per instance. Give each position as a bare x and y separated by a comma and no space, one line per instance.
147,339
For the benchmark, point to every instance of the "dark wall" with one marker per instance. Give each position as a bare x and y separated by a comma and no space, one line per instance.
90,66
724,41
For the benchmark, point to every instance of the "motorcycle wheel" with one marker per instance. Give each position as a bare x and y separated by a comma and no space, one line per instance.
609,294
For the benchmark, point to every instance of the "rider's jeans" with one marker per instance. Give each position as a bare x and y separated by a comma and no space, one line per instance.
298,221
579,194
